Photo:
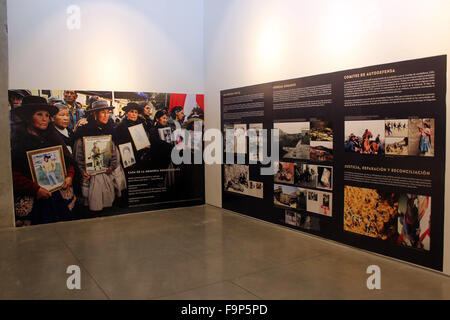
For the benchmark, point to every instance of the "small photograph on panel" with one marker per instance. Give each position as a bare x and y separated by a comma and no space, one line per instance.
366,136
312,204
256,189
256,142
285,173
421,137
302,195
290,218
305,175
371,212
294,140
325,204
236,178
228,144
285,196
325,177
308,222
397,146
321,131
396,128
240,138
414,217
321,151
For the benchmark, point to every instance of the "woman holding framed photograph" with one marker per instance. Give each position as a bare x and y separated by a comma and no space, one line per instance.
139,138
97,157
161,150
34,175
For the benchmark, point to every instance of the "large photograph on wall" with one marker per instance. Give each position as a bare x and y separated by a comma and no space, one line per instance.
80,153
361,156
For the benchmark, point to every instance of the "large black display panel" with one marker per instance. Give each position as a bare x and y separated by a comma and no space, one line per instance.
361,156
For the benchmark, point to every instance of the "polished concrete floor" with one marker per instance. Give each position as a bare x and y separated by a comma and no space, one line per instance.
199,252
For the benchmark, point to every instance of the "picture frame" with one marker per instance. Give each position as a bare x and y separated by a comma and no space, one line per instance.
165,134
47,167
97,153
139,137
127,155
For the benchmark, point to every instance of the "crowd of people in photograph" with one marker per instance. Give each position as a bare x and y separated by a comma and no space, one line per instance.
38,123
367,143
393,127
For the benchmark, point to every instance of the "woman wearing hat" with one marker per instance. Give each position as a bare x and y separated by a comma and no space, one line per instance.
99,190
132,111
33,203
147,115
61,122
160,151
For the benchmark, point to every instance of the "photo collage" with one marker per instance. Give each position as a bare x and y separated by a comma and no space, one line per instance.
296,183
237,142
391,137
99,153
360,156
310,140
400,218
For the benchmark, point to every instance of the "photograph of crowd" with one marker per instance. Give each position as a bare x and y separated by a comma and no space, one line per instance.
365,137
370,212
396,128
403,219
95,133
294,140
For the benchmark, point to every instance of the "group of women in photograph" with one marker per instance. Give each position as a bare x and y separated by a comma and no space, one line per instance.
43,125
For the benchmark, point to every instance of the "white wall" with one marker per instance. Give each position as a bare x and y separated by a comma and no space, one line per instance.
122,45
256,41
